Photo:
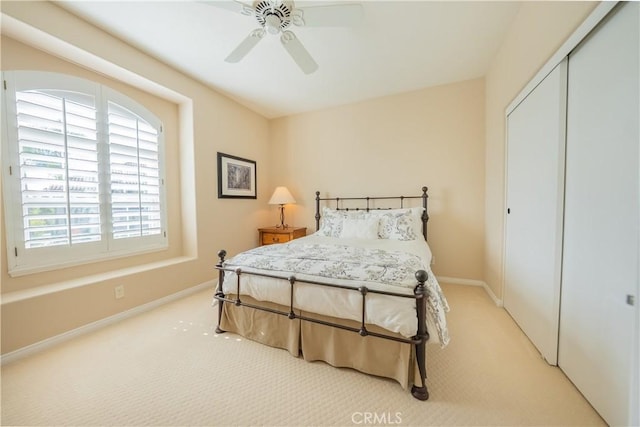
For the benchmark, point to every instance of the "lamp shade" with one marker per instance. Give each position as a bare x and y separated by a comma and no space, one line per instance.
281,196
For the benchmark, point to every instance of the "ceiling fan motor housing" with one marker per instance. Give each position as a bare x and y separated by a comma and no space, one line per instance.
273,15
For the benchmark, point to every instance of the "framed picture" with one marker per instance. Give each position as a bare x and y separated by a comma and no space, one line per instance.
236,177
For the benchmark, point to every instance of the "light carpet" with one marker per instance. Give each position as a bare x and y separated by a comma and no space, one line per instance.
168,367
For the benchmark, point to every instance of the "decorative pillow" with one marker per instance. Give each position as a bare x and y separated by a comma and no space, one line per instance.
365,228
416,214
331,220
397,226
331,223
388,223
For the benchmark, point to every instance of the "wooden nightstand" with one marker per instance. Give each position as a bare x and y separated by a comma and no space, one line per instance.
271,235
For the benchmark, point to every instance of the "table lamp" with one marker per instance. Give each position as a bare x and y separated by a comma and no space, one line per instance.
281,196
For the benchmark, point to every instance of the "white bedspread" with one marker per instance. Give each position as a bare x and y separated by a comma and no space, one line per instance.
379,264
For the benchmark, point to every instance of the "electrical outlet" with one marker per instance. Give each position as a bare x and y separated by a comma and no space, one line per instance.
433,260
119,291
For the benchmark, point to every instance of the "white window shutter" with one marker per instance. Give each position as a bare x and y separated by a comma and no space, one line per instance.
83,173
57,144
135,175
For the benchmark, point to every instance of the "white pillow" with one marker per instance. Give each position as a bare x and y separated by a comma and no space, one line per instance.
366,228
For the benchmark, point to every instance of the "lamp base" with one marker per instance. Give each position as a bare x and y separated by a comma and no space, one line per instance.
282,224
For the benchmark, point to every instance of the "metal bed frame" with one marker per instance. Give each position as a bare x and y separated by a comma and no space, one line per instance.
419,292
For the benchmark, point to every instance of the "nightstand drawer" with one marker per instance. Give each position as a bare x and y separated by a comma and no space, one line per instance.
269,238
273,235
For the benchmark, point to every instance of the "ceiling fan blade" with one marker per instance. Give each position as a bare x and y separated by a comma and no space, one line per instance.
246,45
298,52
232,5
338,15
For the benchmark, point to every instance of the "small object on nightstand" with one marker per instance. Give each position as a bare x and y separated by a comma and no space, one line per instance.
271,235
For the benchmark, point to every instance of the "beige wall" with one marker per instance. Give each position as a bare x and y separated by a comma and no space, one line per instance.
39,306
537,32
391,146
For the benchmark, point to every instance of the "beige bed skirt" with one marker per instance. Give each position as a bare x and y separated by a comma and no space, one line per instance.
312,341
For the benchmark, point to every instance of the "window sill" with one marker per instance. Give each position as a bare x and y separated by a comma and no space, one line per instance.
19,271
39,291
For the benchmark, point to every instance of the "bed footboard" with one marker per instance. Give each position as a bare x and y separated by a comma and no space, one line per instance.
419,294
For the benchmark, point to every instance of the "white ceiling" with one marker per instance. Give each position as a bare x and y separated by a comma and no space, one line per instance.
399,46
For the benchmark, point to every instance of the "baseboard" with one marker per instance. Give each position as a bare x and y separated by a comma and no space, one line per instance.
470,282
94,326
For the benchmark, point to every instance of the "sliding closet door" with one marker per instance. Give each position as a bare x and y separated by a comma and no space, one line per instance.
600,269
535,182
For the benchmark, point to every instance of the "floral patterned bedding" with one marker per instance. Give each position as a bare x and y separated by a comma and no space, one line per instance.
392,268
335,261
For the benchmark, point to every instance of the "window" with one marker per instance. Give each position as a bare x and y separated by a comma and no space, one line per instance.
83,173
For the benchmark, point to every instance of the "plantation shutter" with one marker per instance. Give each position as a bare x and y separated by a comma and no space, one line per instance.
82,173
135,174
58,159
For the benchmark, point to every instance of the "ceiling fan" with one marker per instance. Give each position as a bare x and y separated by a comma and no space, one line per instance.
277,16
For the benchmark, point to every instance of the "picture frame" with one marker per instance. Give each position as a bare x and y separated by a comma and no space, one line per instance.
236,177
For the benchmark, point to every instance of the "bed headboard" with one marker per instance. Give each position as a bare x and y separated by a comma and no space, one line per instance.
367,201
